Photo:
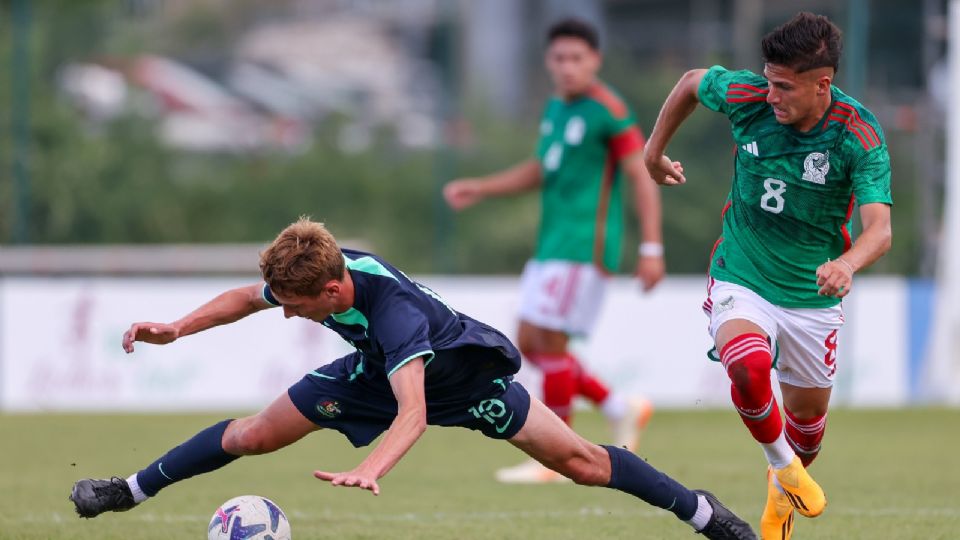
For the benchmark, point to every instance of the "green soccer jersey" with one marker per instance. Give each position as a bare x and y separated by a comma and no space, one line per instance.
582,141
793,193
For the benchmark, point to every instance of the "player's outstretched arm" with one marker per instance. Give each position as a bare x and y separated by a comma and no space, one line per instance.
680,103
465,192
407,427
226,308
650,264
835,277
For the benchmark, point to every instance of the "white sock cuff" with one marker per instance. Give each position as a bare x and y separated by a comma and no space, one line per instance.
779,453
138,495
703,514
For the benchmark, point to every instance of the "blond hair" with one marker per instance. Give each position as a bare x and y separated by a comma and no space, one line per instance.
302,259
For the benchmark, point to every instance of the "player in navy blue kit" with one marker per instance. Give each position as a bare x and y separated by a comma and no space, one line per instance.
417,362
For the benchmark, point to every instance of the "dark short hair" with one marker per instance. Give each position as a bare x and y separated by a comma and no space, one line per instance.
805,42
576,28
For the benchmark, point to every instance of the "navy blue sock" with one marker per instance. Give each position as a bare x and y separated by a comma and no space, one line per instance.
201,454
630,474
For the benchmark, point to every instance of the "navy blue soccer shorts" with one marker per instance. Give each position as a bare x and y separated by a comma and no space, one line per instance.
335,397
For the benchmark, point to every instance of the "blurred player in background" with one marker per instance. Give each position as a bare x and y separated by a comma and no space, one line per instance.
588,138
418,362
806,154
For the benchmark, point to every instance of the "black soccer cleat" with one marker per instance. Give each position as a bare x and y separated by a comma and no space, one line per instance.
94,497
724,524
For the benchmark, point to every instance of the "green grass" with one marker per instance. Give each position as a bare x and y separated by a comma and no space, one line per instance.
887,474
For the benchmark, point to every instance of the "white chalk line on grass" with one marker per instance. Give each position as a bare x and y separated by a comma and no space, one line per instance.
439,517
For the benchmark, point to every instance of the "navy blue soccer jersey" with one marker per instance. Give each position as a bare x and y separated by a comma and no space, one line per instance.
394,320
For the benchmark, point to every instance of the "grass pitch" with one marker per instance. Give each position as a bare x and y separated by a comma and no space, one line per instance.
888,474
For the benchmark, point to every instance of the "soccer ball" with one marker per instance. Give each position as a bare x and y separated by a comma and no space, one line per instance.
248,517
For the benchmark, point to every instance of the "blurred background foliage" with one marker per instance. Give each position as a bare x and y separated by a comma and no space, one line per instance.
117,182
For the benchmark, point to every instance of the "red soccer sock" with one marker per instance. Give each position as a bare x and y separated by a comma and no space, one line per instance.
559,383
804,435
588,386
747,359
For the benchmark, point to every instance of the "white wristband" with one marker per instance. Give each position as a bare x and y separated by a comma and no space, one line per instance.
650,249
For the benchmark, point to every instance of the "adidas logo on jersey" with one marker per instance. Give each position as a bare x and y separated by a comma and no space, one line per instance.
751,148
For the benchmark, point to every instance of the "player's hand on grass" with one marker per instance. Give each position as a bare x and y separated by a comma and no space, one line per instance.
663,171
650,270
835,278
350,479
149,332
463,193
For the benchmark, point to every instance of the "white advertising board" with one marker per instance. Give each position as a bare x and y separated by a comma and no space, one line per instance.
60,344
656,344
61,348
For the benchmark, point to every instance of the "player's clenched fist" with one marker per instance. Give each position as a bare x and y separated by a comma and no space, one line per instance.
664,171
148,332
462,193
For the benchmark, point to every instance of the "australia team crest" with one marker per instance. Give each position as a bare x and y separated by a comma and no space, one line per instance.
329,408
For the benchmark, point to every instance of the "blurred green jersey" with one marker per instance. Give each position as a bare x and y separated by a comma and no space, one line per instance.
582,142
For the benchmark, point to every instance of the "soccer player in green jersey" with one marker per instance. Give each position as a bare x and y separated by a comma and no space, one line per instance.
807,155
588,138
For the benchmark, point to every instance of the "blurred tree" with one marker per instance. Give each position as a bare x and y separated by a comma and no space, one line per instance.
118,183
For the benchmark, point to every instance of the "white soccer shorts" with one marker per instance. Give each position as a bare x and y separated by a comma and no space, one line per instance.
804,339
562,295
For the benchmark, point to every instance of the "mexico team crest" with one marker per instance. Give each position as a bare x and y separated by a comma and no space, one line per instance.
724,305
575,129
328,408
815,167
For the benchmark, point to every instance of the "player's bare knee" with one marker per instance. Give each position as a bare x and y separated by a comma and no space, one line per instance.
526,341
248,437
527,348
808,411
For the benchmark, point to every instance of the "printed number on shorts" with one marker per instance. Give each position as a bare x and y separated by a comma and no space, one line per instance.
772,199
830,359
492,410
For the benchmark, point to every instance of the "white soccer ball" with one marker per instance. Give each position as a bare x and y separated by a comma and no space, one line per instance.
249,517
